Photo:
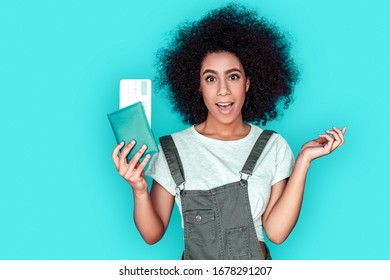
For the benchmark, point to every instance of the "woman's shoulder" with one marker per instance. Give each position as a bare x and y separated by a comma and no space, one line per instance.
187,132
183,137
276,139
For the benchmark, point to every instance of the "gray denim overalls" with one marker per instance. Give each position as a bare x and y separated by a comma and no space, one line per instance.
218,223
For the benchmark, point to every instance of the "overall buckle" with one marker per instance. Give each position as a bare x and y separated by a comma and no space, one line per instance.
180,189
244,178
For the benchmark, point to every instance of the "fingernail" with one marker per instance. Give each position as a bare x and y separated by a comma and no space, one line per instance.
132,142
144,146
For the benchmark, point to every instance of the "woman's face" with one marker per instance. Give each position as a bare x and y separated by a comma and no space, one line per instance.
223,84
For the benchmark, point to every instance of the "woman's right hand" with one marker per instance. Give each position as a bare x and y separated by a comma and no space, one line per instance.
132,172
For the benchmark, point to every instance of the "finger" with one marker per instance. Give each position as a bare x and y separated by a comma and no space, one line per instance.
135,167
125,152
322,139
337,141
334,134
117,148
327,137
340,134
140,168
328,143
340,131
135,160
114,154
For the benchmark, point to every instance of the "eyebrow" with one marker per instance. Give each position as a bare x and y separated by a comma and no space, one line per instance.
226,72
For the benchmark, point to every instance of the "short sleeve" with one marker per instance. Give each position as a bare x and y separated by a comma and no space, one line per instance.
284,160
158,170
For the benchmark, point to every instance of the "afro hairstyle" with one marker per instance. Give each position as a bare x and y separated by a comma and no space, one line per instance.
261,48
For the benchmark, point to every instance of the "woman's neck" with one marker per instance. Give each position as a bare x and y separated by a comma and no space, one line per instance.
221,131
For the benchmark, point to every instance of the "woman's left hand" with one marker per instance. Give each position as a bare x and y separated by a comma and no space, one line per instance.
324,144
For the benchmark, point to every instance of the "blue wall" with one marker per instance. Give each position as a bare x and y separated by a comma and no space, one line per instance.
60,66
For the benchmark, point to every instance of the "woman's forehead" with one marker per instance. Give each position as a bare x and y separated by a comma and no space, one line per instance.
221,61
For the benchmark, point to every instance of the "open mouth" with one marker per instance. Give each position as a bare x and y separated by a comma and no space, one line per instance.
224,106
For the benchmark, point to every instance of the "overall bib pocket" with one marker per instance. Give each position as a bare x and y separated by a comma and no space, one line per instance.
238,243
201,226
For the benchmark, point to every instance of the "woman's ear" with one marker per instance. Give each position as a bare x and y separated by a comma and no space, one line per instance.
248,82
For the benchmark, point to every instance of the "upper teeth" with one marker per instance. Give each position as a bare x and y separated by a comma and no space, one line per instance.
224,104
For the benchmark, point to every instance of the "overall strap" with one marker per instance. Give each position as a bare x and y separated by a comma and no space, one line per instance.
256,152
173,159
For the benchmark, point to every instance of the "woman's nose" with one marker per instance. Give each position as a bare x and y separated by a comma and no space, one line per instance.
223,89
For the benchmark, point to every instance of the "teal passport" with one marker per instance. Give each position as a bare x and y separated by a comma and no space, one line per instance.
130,123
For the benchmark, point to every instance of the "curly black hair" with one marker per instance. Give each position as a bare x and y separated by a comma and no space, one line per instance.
262,49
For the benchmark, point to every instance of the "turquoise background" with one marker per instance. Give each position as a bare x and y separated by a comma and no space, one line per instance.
60,66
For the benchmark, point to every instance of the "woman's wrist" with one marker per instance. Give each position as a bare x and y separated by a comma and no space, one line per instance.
141,193
303,160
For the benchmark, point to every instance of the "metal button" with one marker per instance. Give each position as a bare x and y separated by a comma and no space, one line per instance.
243,183
198,218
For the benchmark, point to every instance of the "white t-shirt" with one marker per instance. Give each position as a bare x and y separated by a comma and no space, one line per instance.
210,163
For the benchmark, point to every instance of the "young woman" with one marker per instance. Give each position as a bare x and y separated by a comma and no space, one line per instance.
230,179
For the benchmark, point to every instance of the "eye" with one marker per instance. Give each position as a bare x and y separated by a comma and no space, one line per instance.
210,79
234,77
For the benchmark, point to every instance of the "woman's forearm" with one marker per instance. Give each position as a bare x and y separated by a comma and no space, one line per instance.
281,219
146,219
284,214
